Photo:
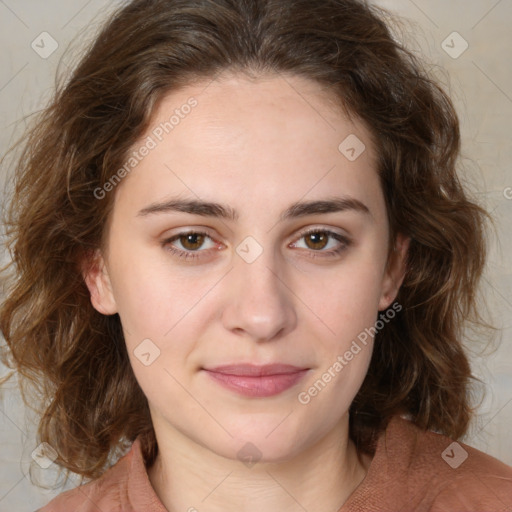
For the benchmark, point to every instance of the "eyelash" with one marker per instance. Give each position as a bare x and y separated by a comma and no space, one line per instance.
192,255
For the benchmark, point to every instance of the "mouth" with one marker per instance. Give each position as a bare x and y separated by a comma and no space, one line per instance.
257,381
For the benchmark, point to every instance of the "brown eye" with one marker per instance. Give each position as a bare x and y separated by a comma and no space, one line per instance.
316,240
191,241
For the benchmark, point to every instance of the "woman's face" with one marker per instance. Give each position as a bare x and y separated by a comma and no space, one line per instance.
250,287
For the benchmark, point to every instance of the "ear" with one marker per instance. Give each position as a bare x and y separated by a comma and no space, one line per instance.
395,271
96,278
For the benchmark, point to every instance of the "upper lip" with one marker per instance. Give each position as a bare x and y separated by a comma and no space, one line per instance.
256,370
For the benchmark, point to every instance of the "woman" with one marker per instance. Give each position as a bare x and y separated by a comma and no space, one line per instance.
241,253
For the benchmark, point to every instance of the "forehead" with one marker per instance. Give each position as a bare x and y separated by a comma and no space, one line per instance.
274,107
271,137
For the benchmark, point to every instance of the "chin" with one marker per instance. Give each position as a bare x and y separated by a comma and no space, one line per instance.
271,440
257,451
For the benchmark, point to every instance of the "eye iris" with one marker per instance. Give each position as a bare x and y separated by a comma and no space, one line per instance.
318,237
195,239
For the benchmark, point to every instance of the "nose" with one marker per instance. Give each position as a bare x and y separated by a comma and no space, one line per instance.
260,303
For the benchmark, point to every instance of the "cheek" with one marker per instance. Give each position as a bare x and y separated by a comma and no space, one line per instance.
146,295
143,305
353,311
348,301
346,348
161,305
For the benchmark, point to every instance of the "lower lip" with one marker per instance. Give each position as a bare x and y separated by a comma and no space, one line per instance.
265,385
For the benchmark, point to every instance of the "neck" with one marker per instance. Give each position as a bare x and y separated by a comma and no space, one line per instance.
188,476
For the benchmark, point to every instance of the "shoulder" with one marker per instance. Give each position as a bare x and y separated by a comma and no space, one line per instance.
451,475
108,493
423,470
464,478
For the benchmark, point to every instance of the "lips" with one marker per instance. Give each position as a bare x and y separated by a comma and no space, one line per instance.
257,381
255,370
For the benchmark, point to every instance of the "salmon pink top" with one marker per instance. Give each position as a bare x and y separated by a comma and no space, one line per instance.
412,470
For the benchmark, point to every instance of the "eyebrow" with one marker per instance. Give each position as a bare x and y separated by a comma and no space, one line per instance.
298,209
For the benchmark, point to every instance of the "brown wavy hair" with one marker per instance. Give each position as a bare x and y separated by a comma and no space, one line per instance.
91,405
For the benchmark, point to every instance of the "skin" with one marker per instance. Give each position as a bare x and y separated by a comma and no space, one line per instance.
257,145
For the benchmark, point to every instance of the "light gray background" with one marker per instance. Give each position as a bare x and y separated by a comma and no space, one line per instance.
480,82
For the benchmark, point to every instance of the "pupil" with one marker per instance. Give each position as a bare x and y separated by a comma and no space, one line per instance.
191,239
318,238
